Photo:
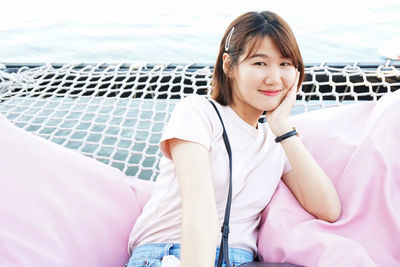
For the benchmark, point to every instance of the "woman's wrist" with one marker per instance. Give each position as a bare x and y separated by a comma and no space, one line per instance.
279,129
287,135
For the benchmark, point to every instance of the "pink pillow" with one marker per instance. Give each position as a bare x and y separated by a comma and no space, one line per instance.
358,147
60,208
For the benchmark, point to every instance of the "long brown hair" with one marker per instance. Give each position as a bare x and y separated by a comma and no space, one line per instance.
249,29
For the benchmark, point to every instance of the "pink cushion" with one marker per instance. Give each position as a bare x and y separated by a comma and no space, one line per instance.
359,148
59,208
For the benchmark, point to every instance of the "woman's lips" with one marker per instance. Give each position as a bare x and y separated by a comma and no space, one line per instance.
271,92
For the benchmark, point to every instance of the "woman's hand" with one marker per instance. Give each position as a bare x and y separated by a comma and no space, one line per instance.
278,118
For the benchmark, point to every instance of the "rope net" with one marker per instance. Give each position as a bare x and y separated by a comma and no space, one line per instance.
116,113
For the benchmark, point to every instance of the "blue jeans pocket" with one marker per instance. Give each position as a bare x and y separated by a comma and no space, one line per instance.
148,262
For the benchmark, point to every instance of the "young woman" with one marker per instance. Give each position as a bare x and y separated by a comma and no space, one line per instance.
259,68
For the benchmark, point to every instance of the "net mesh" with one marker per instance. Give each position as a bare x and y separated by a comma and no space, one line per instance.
116,113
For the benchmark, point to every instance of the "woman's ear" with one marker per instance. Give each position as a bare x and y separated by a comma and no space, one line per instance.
226,64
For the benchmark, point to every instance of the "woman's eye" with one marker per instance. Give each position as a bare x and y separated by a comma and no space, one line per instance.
260,64
286,64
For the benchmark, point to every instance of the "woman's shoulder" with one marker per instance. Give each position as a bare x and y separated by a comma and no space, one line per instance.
195,99
197,102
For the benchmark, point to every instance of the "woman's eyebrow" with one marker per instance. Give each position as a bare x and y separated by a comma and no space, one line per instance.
259,55
266,56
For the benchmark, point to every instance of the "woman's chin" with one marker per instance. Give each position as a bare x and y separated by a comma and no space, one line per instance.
271,108
272,105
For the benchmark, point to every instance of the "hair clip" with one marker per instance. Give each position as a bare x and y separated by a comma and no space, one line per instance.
228,39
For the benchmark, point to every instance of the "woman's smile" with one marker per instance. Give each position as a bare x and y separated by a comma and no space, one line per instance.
271,92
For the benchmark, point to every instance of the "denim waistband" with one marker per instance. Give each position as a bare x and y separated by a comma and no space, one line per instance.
160,250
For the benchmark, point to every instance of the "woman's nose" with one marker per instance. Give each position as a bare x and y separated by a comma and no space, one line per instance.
273,75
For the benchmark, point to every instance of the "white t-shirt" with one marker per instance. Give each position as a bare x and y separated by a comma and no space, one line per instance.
258,164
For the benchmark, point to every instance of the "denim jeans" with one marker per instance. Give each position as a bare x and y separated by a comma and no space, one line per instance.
150,255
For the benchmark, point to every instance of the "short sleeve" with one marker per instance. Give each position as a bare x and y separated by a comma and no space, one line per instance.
189,121
287,166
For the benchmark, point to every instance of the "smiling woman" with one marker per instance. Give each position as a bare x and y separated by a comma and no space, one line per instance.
259,68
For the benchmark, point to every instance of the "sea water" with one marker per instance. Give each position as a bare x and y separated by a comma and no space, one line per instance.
185,31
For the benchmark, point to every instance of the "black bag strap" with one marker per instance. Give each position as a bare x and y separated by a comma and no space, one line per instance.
223,250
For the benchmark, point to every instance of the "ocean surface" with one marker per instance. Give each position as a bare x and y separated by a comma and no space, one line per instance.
185,31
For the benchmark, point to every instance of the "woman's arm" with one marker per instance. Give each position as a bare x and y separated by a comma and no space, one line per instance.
199,212
307,181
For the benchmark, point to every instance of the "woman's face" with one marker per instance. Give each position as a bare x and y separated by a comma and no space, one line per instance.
261,81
